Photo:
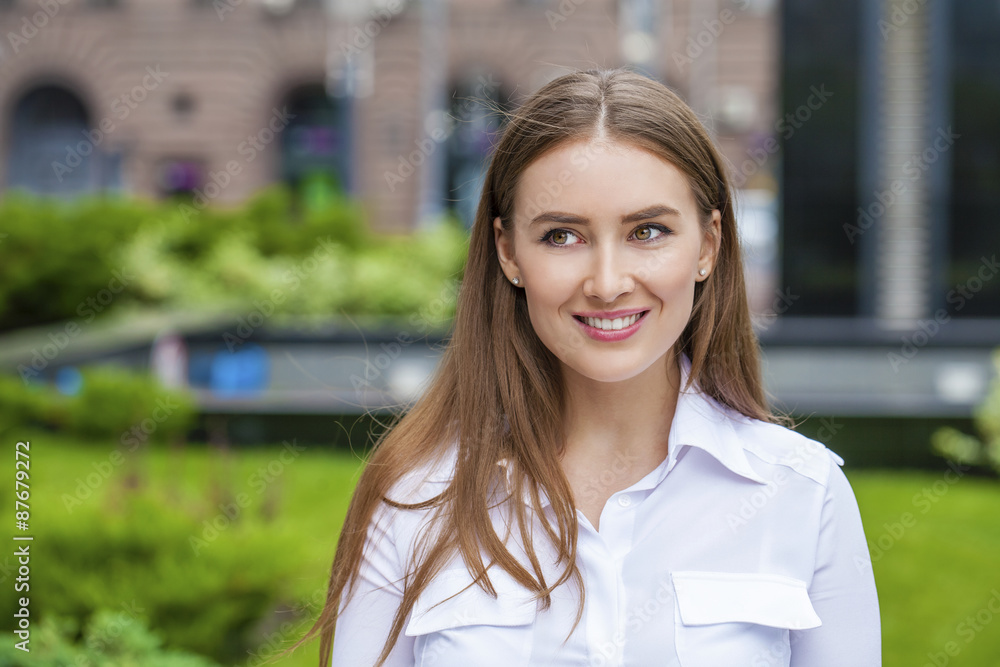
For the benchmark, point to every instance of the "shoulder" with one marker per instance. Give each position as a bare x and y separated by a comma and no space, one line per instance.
427,480
415,529
781,448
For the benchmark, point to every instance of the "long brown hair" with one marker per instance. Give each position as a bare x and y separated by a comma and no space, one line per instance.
498,390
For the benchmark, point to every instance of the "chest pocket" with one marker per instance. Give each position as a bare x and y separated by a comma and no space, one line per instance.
727,618
472,628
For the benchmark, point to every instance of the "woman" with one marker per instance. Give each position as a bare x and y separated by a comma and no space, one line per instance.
593,476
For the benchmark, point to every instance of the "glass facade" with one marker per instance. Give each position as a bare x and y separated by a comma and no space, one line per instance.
818,135
972,286
831,155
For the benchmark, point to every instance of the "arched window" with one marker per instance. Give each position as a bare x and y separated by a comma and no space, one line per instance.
54,149
316,141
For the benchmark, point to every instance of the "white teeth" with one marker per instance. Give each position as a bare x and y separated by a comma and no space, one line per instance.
612,325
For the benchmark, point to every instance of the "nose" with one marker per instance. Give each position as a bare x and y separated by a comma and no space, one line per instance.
610,274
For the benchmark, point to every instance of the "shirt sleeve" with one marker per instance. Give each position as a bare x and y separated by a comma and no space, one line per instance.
843,588
364,625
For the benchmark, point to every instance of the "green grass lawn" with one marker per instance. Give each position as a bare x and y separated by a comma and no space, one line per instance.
942,568
935,544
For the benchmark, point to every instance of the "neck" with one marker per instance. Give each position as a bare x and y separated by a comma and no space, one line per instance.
609,425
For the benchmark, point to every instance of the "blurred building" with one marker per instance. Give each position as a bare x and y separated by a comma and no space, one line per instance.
891,198
862,137
391,97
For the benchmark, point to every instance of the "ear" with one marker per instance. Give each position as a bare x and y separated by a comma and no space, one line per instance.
505,249
710,245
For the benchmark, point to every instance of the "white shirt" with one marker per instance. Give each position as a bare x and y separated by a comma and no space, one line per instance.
743,548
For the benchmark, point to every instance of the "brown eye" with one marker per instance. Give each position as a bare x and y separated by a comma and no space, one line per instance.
645,233
549,238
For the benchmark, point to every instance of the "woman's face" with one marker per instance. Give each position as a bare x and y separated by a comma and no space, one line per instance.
607,230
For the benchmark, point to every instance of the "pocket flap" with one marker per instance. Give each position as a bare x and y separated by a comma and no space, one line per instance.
514,604
744,597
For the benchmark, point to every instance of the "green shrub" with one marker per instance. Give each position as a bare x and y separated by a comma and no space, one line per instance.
56,254
316,250
223,553
202,579
967,449
29,405
114,401
111,638
112,404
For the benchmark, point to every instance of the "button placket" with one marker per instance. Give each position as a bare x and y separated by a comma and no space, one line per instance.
617,525
603,612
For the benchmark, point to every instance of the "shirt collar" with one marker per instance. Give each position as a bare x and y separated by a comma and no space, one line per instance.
699,421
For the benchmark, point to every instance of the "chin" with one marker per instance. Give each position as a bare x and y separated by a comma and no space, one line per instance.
608,372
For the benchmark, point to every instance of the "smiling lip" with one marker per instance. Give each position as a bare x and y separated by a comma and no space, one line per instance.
610,314
606,335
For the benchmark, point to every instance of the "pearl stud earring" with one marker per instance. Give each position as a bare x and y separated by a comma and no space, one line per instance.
702,272
515,280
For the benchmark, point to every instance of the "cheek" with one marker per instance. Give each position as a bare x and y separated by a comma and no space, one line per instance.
675,288
548,283
543,304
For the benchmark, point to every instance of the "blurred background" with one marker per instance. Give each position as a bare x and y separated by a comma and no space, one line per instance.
232,233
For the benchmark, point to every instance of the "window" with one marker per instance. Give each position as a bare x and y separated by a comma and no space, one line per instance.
819,155
974,203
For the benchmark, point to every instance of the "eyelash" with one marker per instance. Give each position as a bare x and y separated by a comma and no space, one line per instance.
548,235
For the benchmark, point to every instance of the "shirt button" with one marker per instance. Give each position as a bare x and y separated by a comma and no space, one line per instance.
624,501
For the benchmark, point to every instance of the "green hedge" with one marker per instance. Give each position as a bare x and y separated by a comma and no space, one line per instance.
112,403
84,258
195,552
55,254
111,638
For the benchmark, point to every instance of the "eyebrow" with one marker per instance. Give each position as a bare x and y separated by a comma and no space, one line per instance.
647,213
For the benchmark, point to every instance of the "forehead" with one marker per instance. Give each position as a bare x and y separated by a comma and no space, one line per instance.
601,179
